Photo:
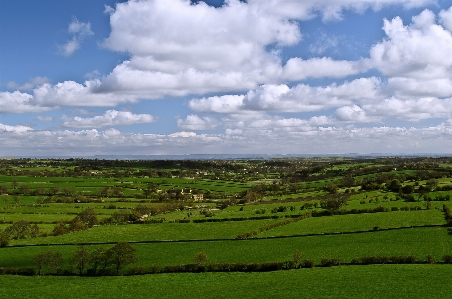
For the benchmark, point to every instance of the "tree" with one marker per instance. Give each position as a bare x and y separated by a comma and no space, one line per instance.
34,231
297,258
59,229
89,217
98,260
4,238
331,188
121,255
407,189
77,224
334,203
201,258
3,190
347,181
24,189
19,230
80,259
49,260
394,185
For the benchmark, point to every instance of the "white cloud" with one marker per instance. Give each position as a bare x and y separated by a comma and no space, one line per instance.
109,119
69,47
446,18
28,85
70,93
323,43
79,32
233,132
328,9
80,29
353,114
299,69
18,102
411,110
14,129
194,122
420,50
300,98
299,140
217,104
44,118
182,134
179,48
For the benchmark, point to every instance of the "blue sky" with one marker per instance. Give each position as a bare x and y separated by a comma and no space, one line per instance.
85,77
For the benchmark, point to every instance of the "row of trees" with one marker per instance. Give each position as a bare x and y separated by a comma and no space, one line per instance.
100,261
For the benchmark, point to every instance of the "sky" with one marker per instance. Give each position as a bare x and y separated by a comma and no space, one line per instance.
146,77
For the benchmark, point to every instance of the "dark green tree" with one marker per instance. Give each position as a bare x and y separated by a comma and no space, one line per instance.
334,203
121,255
80,259
89,217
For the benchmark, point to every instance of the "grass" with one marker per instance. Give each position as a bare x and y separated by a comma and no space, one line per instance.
416,241
358,222
147,232
378,281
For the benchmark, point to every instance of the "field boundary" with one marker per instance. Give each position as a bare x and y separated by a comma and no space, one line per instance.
232,239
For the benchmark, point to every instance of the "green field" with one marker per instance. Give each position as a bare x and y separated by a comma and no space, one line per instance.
416,241
380,281
384,207
358,222
148,232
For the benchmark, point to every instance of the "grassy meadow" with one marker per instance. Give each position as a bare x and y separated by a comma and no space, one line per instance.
172,211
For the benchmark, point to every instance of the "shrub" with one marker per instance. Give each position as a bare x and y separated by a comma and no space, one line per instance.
201,258
429,259
308,264
330,262
447,259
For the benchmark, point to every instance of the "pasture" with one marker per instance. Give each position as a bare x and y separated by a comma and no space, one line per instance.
172,211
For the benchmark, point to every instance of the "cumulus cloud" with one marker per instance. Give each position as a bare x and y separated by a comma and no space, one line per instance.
109,119
411,110
79,32
32,83
435,139
329,10
194,122
178,48
446,18
300,98
18,102
299,69
353,114
420,50
14,129
44,118
71,93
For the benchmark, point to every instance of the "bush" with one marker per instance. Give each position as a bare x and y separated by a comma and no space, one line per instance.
447,259
330,262
429,259
409,259
369,260
308,264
